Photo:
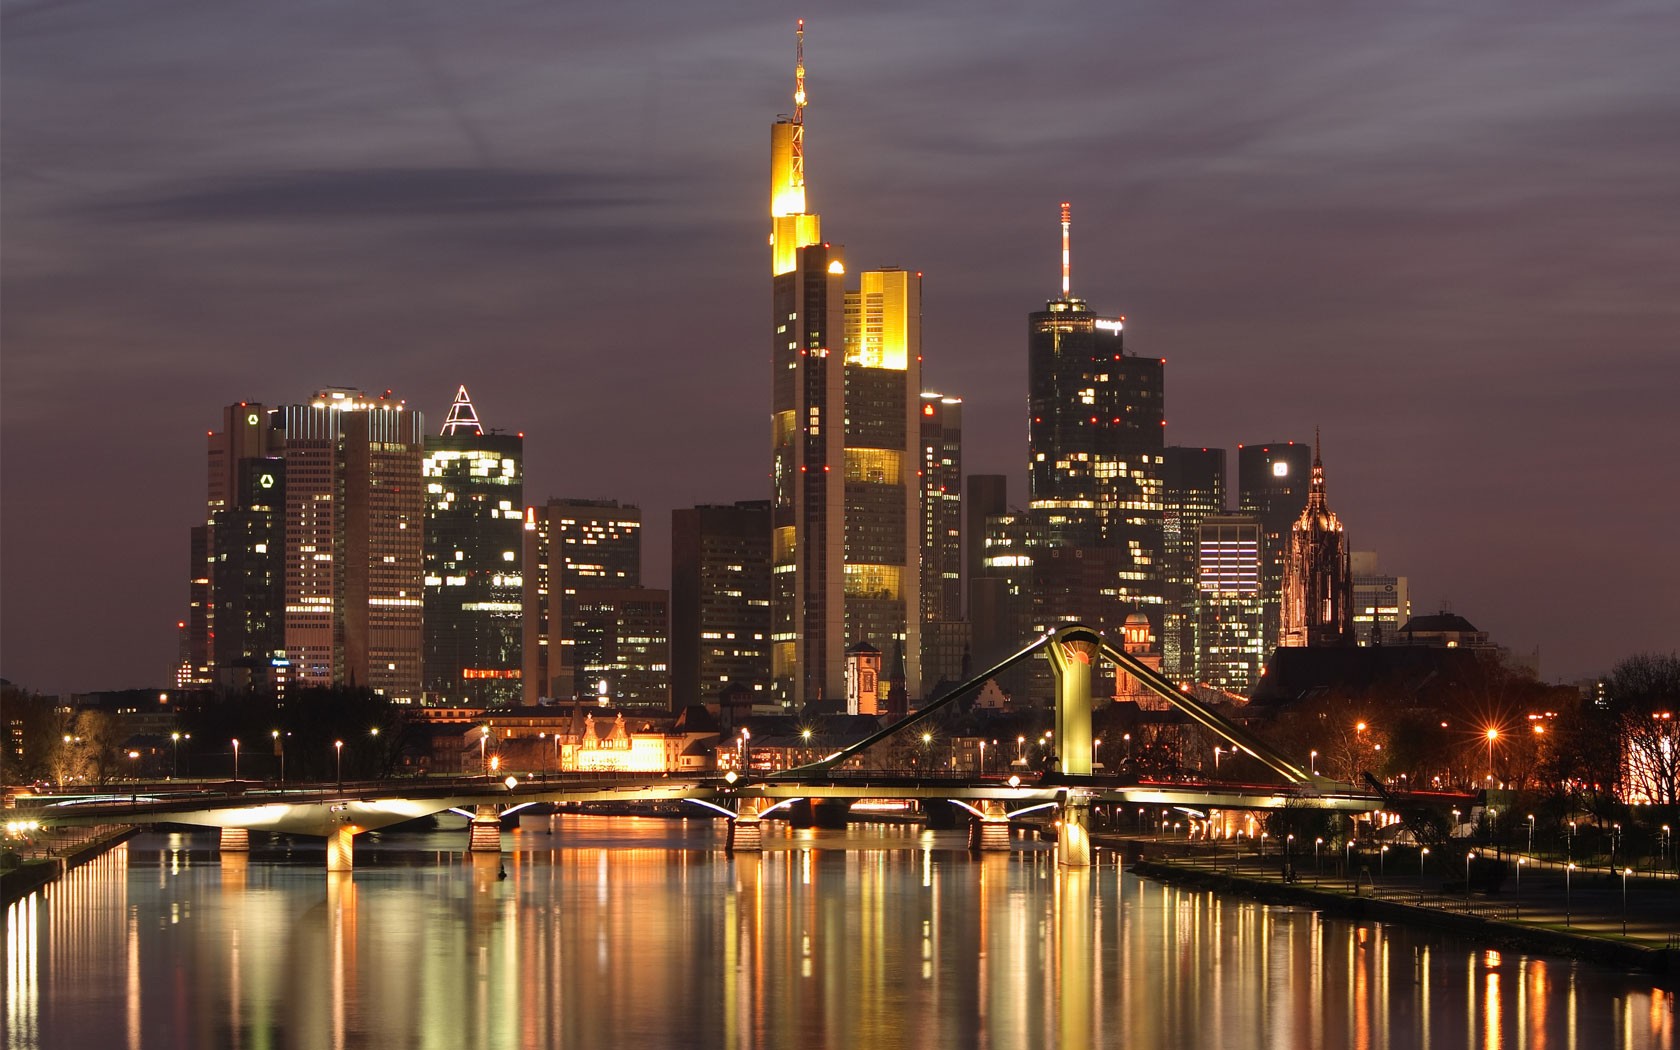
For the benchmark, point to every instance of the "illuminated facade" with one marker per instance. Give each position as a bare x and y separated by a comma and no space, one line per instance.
1095,436
475,515
845,386
570,545
1317,602
1230,605
720,601
1272,482
1193,490
246,574
1381,602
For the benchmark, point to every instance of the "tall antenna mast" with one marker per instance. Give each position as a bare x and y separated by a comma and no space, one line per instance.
799,104
1067,219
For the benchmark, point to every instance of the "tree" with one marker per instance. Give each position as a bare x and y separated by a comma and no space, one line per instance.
1643,694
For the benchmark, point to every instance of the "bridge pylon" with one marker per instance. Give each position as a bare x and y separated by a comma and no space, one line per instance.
989,832
234,840
746,828
484,834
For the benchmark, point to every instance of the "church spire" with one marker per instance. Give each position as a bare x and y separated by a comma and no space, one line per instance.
1316,502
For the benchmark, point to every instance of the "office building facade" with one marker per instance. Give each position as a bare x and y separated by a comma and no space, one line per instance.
570,545
720,601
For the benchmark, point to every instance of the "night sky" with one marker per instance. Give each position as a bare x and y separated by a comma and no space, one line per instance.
1445,233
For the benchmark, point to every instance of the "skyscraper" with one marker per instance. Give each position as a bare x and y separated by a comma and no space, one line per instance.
1272,481
1317,605
1193,490
1230,606
1381,601
1095,441
720,601
845,504
570,545
353,560
475,514
941,470
620,647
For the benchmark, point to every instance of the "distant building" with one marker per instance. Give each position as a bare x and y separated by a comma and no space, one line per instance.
570,544
1442,630
621,647
1317,604
720,601
1193,490
864,695
1381,602
1230,604
1138,641
475,514
1272,483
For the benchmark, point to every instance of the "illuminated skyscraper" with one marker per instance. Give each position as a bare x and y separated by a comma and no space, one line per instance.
571,545
845,385
1272,480
621,647
475,514
1094,437
1317,605
941,469
354,521
1230,607
1194,489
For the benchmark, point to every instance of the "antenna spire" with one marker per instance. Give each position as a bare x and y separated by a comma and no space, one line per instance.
799,103
1067,220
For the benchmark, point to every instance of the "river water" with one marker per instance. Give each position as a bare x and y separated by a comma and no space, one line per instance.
628,932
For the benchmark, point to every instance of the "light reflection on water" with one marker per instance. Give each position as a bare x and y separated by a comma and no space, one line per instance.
624,932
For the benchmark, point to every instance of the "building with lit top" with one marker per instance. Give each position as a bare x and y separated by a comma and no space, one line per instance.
845,395
570,545
1095,436
1317,602
1272,482
475,516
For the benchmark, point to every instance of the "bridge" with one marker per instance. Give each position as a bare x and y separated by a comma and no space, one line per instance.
1070,789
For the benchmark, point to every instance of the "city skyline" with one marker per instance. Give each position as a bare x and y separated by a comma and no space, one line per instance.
1408,229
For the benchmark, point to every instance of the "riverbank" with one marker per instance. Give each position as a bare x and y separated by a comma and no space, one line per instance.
47,859
1581,921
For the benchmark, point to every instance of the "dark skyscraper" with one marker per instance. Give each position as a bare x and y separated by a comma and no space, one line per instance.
1193,489
1317,605
570,545
1095,437
720,601
247,573
475,514
1272,482
942,558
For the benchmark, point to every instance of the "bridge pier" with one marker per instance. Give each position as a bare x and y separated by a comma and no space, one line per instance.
989,833
1073,834
341,848
235,840
484,834
746,828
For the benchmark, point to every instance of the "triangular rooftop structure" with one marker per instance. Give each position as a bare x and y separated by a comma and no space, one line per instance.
462,416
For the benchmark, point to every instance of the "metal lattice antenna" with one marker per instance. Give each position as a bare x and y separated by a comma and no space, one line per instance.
462,416
1067,221
799,104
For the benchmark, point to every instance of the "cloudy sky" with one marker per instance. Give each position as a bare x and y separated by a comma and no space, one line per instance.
1448,234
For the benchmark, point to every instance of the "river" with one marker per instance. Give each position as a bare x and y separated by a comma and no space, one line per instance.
639,932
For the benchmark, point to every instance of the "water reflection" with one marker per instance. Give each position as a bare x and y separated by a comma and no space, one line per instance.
641,933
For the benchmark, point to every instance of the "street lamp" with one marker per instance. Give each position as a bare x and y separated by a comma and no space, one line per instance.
338,754
175,738
1468,857
1625,873
279,749
236,759
1569,853
1382,862
1216,753
1318,868
1347,858
1312,762
1492,735
1422,855
483,739
1520,863
1531,833
1567,868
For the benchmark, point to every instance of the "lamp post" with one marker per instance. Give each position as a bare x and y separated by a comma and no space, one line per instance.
1492,735
1667,840
1468,857
236,760
1520,863
1216,752
483,741
175,738
982,753
1318,866
1422,856
1625,873
1021,750
1615,842
1569,854
1347,860
1382,862
1531,833
1567,868
279,749
338,755
1127,737
1312,762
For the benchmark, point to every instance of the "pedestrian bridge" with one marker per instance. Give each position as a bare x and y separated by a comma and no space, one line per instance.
1071,788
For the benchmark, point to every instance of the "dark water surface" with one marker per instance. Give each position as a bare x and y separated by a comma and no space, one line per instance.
626,932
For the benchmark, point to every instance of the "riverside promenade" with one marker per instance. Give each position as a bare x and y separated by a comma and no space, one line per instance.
45,854
1543,905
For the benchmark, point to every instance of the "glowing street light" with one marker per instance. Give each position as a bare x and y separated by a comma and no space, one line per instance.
1318,868
279,749
1520,862
175,738
236,759
1625,873
1422,855
338,754
1567,868
1468,857
1312,762
1531,833
1492,735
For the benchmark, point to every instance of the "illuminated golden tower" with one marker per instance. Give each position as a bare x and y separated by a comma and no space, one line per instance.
791,227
